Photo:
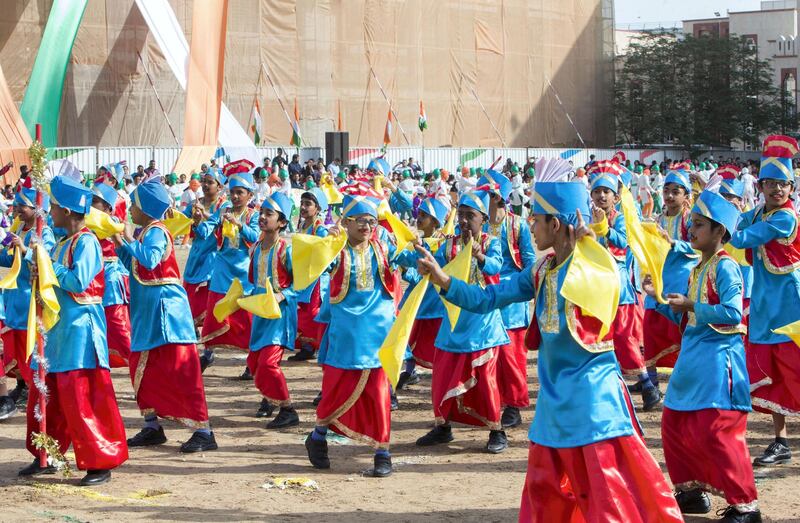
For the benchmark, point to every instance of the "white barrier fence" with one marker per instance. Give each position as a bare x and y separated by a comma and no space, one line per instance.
87,159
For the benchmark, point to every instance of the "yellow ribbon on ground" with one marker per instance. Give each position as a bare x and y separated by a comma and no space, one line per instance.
458,268
393,349
331,192
792,330
229,303
449,228
10,280
311,255
592,282
102,224
262,305
646,244
736,254
45,283
229,230
178,224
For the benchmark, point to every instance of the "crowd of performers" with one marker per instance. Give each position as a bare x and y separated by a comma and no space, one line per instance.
124,303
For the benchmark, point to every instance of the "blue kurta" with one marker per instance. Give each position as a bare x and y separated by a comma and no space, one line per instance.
474,331
281,331
617,238
775,298
400,202
202,255
160,313
358,324
711,372
78,340
116,291
515,315
233,258
18,300
582,399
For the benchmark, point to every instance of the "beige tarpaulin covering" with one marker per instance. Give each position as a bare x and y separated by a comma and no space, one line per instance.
321,51
14,136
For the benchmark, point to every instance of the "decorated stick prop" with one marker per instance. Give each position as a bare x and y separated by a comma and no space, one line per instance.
37,153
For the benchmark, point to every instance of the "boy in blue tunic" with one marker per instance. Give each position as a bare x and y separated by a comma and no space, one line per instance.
705,411
271,264
587,460
81,406
464,385
164,366
17,300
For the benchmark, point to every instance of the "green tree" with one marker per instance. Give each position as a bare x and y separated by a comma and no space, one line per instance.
697,91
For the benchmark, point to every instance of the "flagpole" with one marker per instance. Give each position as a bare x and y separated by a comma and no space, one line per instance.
558,99
275,90
371,70
485,113
161,105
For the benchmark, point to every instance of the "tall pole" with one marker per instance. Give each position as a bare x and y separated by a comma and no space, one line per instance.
38,334
386,97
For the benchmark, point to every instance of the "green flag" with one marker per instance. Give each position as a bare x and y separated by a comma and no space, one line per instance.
42,101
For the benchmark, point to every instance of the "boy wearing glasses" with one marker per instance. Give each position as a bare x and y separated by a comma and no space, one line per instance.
359,313
769,236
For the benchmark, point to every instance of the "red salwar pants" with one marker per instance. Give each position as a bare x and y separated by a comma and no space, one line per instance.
118,331
265,365
82,411
464,388
168,383
355,403
512,370
232,333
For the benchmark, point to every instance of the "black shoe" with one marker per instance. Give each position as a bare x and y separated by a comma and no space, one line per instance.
406,379
636,387
731,515
498,442
393,403
287,417
20,393
383,466
318,453
302,355
246,375
651,397
693,501
199,442
266,409
510,418
95,477
438,435
206,360
148,437
317,399
35,470
7,407
776,454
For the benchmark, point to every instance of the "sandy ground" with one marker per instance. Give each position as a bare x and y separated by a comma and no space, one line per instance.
458,482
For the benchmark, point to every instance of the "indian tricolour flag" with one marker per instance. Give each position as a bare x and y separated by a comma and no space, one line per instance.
387,131
255,125
423,118
296,139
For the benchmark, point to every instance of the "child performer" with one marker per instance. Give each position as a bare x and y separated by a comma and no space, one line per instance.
81,406
164,366
431,217
203,251
705,413
272,265
359,314
17,301
769,235
587,460
662,338
313,206
464,386
232,261
518,255
610,229
115,296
